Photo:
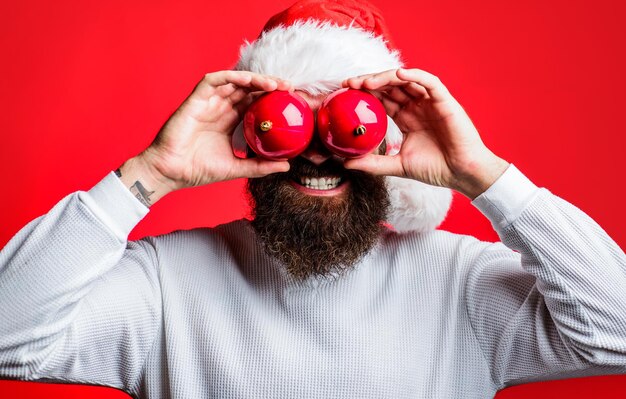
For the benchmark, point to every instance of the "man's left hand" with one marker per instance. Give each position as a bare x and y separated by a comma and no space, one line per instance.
441,146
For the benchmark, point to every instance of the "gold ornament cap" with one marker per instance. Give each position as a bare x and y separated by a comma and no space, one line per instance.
265,126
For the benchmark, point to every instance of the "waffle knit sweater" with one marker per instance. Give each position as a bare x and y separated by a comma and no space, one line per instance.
206,314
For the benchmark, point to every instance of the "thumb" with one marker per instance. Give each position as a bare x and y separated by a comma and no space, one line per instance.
258,167
377,165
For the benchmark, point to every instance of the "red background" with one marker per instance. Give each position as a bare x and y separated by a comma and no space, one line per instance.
86,85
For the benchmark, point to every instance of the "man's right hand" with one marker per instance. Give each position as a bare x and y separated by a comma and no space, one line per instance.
194,146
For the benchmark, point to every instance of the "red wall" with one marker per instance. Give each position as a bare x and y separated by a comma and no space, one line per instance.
85,85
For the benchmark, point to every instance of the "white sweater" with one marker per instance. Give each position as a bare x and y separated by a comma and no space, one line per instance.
205,313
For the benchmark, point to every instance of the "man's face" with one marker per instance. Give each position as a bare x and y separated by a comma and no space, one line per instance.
319,218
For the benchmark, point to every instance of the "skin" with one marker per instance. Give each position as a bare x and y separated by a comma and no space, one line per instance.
441,147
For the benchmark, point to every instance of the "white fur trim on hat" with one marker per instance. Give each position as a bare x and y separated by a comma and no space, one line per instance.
316,57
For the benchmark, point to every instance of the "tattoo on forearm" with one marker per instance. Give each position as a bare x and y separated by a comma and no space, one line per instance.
140,192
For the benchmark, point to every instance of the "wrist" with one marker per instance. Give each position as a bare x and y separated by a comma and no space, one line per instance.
478,176
143,180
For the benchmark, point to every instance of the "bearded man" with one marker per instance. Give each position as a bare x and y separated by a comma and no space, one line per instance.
336,289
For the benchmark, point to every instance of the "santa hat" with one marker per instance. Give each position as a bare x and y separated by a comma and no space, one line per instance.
316,44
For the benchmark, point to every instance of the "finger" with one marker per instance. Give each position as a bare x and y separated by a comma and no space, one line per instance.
379,80
239,78
262,82
348,82
258,167
435,89
352,83
237,95
243,79
391,106
377,165
226,90
270,83
357,78
416,91
283,85
242,106
211,81
398,95
356,82
380,83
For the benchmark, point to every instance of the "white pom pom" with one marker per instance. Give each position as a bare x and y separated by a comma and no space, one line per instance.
416,206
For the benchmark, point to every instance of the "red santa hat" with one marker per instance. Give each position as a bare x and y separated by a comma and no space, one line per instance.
316,44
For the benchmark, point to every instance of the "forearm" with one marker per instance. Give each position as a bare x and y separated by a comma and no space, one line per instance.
144,180
53,263
553,307
476,176
580,271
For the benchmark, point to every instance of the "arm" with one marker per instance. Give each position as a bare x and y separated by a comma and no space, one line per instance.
560,306
556,309
77,301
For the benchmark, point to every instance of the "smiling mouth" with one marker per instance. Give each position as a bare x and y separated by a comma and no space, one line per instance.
327,179
320,186
320,183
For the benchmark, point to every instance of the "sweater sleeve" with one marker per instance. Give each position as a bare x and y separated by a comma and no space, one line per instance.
77,302
555,307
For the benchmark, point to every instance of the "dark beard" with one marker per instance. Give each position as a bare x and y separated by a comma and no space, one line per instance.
318,236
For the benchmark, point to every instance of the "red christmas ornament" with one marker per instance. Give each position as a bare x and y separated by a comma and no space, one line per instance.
278,125
351,123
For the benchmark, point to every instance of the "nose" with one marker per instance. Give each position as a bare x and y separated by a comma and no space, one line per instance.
316,152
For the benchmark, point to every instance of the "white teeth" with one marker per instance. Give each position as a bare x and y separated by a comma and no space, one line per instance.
323,183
